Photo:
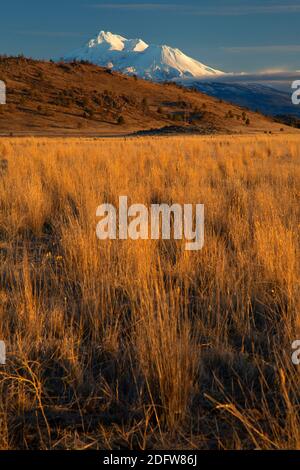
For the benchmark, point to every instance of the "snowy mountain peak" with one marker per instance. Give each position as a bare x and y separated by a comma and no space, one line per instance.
134,56
115,42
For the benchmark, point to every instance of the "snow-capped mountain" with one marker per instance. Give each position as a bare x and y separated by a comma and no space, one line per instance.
161,63
135,57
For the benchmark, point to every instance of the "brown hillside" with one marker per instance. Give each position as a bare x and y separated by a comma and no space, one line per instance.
50,98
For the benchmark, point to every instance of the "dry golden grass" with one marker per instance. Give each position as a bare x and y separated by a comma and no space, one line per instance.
140,344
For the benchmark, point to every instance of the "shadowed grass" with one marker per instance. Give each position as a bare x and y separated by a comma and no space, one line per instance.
141,344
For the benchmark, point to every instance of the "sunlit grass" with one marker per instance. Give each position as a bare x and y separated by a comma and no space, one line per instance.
141,343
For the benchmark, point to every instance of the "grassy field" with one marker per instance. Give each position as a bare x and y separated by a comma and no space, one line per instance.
141,344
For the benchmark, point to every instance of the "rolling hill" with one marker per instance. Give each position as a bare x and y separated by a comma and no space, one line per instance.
80,98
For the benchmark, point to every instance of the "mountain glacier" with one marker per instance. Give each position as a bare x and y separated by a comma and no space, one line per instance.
135,57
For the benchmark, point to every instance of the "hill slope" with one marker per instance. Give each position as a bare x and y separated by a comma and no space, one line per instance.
74,98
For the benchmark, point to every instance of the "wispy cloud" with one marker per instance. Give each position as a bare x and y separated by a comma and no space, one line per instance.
258,9
137,6
230,10
262,49
51,34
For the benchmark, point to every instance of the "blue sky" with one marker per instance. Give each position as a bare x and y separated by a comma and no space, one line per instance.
232,35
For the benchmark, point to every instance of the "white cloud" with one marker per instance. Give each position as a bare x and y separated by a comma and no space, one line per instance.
279,79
